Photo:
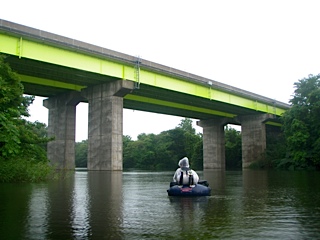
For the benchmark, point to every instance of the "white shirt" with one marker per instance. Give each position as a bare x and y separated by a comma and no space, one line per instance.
185,181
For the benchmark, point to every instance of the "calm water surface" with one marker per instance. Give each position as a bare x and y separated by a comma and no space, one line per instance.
135,205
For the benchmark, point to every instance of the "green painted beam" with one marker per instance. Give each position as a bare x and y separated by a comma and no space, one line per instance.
25,48
274,124
166,82
177,105
51,83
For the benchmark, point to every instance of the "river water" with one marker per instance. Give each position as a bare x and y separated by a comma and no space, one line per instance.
135,205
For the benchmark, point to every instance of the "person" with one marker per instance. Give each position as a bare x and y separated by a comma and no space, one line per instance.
184,175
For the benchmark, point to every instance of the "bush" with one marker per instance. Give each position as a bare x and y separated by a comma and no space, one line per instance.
22,170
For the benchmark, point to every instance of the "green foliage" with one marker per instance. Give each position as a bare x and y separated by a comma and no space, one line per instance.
148,152
81,153
22,143
276,148
162,151
12,101
23,170
186,125
301,123
233,148
197,155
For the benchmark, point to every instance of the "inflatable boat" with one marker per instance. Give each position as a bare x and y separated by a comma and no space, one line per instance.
200,189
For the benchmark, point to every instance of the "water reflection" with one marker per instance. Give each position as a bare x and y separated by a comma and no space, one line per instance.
134,205
105,208
37,220
60,209
145,207
88,205
216,179
14,202
253,208
189,214
80,206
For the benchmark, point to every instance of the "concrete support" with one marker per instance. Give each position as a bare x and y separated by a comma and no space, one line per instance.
105,124
61,126
253,132
213,143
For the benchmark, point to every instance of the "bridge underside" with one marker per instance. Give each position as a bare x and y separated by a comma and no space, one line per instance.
48,80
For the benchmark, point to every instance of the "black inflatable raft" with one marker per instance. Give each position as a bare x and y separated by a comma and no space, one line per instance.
200,189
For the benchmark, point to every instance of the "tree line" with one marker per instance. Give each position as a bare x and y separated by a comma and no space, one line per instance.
23,143
301,125
162,151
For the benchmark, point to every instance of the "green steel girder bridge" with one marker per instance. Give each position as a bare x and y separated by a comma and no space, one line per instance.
51,65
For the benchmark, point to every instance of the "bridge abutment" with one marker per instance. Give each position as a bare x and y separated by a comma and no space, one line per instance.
213,143
61,126
105,124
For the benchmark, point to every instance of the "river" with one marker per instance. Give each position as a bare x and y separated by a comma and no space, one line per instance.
135,205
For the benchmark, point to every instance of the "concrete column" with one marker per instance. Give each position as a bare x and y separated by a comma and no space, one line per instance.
61,126
253,133
105,124
213,143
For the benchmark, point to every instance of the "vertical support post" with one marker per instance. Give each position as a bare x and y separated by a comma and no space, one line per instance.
61,126
253,133
213,143
105,124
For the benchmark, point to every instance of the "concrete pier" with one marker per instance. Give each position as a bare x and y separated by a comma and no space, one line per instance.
213,143
253,133
105,130
105,124
61,126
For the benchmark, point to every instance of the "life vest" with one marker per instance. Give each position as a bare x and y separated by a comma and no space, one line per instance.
189,174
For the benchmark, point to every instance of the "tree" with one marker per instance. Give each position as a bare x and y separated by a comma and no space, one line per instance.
22,143
197,155
301,123
81,154
233,148
12,106
276,148
186,125
162,151
185,142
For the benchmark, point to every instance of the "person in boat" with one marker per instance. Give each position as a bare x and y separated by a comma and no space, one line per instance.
184,175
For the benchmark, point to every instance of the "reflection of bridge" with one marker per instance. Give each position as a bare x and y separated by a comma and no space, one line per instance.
68,71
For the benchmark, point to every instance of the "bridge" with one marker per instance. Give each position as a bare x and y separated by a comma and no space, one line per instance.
68,71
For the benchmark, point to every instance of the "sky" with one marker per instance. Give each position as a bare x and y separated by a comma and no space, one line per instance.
259,46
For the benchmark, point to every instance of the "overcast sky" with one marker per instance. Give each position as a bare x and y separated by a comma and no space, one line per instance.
259,46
